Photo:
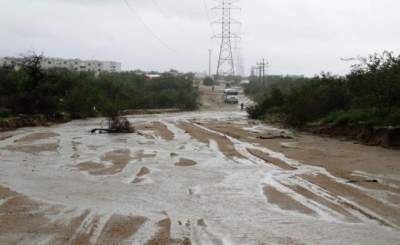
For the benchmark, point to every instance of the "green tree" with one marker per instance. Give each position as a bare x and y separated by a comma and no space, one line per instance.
208,81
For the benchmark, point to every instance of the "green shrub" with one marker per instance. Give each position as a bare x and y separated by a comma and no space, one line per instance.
393,118
352,117
255,112
4,113
31,90
208,81
364,116
368,95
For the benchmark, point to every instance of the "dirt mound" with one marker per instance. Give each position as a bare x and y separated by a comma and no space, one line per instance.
143,171
183,162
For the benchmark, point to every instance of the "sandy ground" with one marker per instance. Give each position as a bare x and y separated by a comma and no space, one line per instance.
209,177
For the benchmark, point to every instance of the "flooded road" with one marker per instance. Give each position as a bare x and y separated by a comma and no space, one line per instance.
189,178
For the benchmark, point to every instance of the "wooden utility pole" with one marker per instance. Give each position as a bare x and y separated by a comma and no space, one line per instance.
209,62
263,70
261,67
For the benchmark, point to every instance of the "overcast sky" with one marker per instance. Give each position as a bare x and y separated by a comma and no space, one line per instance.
296,36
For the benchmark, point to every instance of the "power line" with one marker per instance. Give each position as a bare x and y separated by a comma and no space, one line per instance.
207,12
147,27
161,10
206,9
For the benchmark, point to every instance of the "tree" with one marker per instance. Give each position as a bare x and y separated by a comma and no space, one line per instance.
208,81
375,82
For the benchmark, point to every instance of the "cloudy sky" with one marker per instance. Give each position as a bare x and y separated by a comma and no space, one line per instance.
296,36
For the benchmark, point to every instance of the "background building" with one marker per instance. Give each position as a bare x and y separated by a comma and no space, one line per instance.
70,64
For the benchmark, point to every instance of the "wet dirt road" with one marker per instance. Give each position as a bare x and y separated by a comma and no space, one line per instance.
210,177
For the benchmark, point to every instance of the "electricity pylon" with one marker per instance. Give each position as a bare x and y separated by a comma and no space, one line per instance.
226,64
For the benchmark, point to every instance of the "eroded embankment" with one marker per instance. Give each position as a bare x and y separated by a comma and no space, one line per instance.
373,136
13,123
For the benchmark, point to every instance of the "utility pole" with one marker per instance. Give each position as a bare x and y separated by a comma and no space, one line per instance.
209,62
253,71
261,66
238,57
226,66
263,70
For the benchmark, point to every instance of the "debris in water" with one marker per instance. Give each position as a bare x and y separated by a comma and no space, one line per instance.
116,125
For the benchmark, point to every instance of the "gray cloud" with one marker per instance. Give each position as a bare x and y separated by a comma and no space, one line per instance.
297,36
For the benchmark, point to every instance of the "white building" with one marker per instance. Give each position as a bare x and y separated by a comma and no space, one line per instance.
70,64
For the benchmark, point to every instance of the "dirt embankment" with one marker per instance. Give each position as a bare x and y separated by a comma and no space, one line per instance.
29,121
374,136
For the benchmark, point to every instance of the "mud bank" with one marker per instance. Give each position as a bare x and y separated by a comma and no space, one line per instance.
373,136
30,121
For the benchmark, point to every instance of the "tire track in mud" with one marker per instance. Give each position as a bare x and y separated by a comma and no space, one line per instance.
28,220
284,201
120,228
159,129
224,144
268,159
25,219
258,168
357,200
316,201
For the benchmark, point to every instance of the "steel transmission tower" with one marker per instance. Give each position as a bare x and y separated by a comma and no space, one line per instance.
226,64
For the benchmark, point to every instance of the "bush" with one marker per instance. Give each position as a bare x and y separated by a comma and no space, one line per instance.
31,90
393,119
255,112
352,117
364,116
4,113
369,94
208,81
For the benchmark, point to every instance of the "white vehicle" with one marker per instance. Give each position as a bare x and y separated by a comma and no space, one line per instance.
231,96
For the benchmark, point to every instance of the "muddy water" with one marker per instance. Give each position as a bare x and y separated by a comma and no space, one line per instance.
180,185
